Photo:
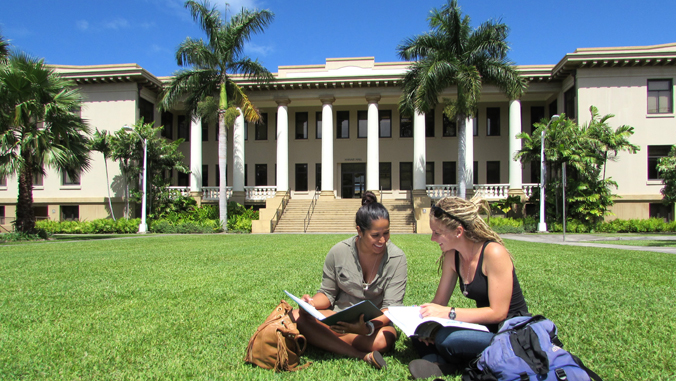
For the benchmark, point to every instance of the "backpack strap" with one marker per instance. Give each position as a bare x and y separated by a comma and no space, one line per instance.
526,345
590,372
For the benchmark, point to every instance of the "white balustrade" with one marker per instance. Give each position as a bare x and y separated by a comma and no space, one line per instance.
488,191
528,188
260,192
492,191
437,192
183,191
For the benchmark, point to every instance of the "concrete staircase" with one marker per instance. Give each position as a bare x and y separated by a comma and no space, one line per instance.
337,216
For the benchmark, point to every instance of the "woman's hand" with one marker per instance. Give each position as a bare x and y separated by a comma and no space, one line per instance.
434,310
307,299
358,328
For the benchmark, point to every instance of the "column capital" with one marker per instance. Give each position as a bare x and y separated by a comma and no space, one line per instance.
327,99
372,98
282,101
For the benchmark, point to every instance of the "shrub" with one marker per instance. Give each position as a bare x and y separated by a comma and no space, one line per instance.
38,235
104,225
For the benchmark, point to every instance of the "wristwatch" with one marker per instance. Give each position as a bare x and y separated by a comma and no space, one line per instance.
371,328
451,315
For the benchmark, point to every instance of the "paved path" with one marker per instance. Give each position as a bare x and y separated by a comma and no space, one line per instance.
599,241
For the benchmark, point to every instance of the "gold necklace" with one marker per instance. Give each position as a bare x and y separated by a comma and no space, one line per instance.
365,285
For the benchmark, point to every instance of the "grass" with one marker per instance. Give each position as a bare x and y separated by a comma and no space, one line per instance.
179,307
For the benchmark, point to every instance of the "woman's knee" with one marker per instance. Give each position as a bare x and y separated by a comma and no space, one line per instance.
384,340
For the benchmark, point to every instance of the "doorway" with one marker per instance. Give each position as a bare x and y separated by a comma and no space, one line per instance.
353,180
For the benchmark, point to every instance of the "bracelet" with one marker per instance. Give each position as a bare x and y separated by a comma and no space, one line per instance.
371,327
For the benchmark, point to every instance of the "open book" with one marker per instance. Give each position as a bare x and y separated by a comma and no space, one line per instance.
409,321
348,315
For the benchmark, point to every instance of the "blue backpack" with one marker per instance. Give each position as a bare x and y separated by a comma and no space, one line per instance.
524,349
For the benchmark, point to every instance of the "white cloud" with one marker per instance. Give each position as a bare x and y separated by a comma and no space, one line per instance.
82,25
254,50
118,23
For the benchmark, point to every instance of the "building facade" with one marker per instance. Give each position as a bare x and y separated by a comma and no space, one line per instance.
335,128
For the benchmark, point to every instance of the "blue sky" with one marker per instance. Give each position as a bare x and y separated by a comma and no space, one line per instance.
147,32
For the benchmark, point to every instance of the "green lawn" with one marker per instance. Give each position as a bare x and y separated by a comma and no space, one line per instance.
179,307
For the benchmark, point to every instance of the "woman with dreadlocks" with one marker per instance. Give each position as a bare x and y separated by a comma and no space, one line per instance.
475,257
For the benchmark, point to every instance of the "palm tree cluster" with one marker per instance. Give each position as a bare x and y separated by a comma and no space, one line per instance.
206,87
40,127
586,150
454,55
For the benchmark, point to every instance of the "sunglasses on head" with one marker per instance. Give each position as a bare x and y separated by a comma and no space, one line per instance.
437,212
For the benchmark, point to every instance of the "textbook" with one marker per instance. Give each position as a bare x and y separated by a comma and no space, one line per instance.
409,321
348,315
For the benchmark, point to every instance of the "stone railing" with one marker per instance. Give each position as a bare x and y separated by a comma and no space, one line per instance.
183,191
259,193
489,191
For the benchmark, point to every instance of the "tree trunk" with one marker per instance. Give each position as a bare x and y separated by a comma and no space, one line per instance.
25,215
462,153
110,202
222,157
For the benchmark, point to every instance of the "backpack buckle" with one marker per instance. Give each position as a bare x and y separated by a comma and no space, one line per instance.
561,375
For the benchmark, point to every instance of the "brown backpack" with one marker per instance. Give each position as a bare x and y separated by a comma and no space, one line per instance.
277,344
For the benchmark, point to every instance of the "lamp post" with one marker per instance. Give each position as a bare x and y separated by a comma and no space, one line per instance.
142,228
542,226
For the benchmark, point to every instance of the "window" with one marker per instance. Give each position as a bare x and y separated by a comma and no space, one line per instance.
205,131
405,126
37,179
385,123
343,124
569,103
246,130
183,179
67,180
318,176
659,210
261,174
475,126
537,113
205,175
475,177
449,127
492,172
301,125
660,97
70,212
429,124
183,128
429,173
406,175
167,125
362,124
553,108
262,128
2,214
385,173
301,177
655,153
493,121
448,172
318,124
3,181
246,174
147,111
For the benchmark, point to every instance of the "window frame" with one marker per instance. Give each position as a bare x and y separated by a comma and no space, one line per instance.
669,91
302,124
659,151
261,130
301,169
318,124
362,121
405,126
68,182
492,121
258,172
409,175
384,115
342,124
448,125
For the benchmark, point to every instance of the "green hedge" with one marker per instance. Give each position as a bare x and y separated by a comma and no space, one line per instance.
529,224
104,225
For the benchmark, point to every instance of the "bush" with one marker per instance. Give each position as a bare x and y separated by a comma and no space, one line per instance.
104,225
39,235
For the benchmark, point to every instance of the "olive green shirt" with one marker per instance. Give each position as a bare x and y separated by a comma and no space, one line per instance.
343,279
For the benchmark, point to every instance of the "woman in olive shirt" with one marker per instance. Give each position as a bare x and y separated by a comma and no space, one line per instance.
365,267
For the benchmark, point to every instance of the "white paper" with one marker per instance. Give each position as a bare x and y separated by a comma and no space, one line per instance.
306,306
408,319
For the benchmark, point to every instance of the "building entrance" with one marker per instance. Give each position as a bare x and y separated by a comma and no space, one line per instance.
353,179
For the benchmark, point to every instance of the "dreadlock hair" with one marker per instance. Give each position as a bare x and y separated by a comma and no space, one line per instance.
466,213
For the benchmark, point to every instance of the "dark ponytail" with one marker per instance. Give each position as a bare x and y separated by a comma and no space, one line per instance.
370,211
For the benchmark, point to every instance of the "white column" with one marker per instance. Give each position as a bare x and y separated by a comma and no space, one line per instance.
372,145
419,160
196,155
238,154
327,144
515,172
469,151
283,144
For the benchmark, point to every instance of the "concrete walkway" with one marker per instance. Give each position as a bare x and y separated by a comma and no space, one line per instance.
598,241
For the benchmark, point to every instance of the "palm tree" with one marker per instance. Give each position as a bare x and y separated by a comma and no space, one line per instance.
4,49
207,84
40,127
101,143
454,54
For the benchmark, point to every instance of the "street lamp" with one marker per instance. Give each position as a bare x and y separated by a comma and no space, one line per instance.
142,228
542,226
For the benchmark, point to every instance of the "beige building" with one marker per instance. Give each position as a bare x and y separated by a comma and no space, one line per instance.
336,128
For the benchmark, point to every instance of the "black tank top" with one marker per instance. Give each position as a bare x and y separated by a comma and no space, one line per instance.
478,289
